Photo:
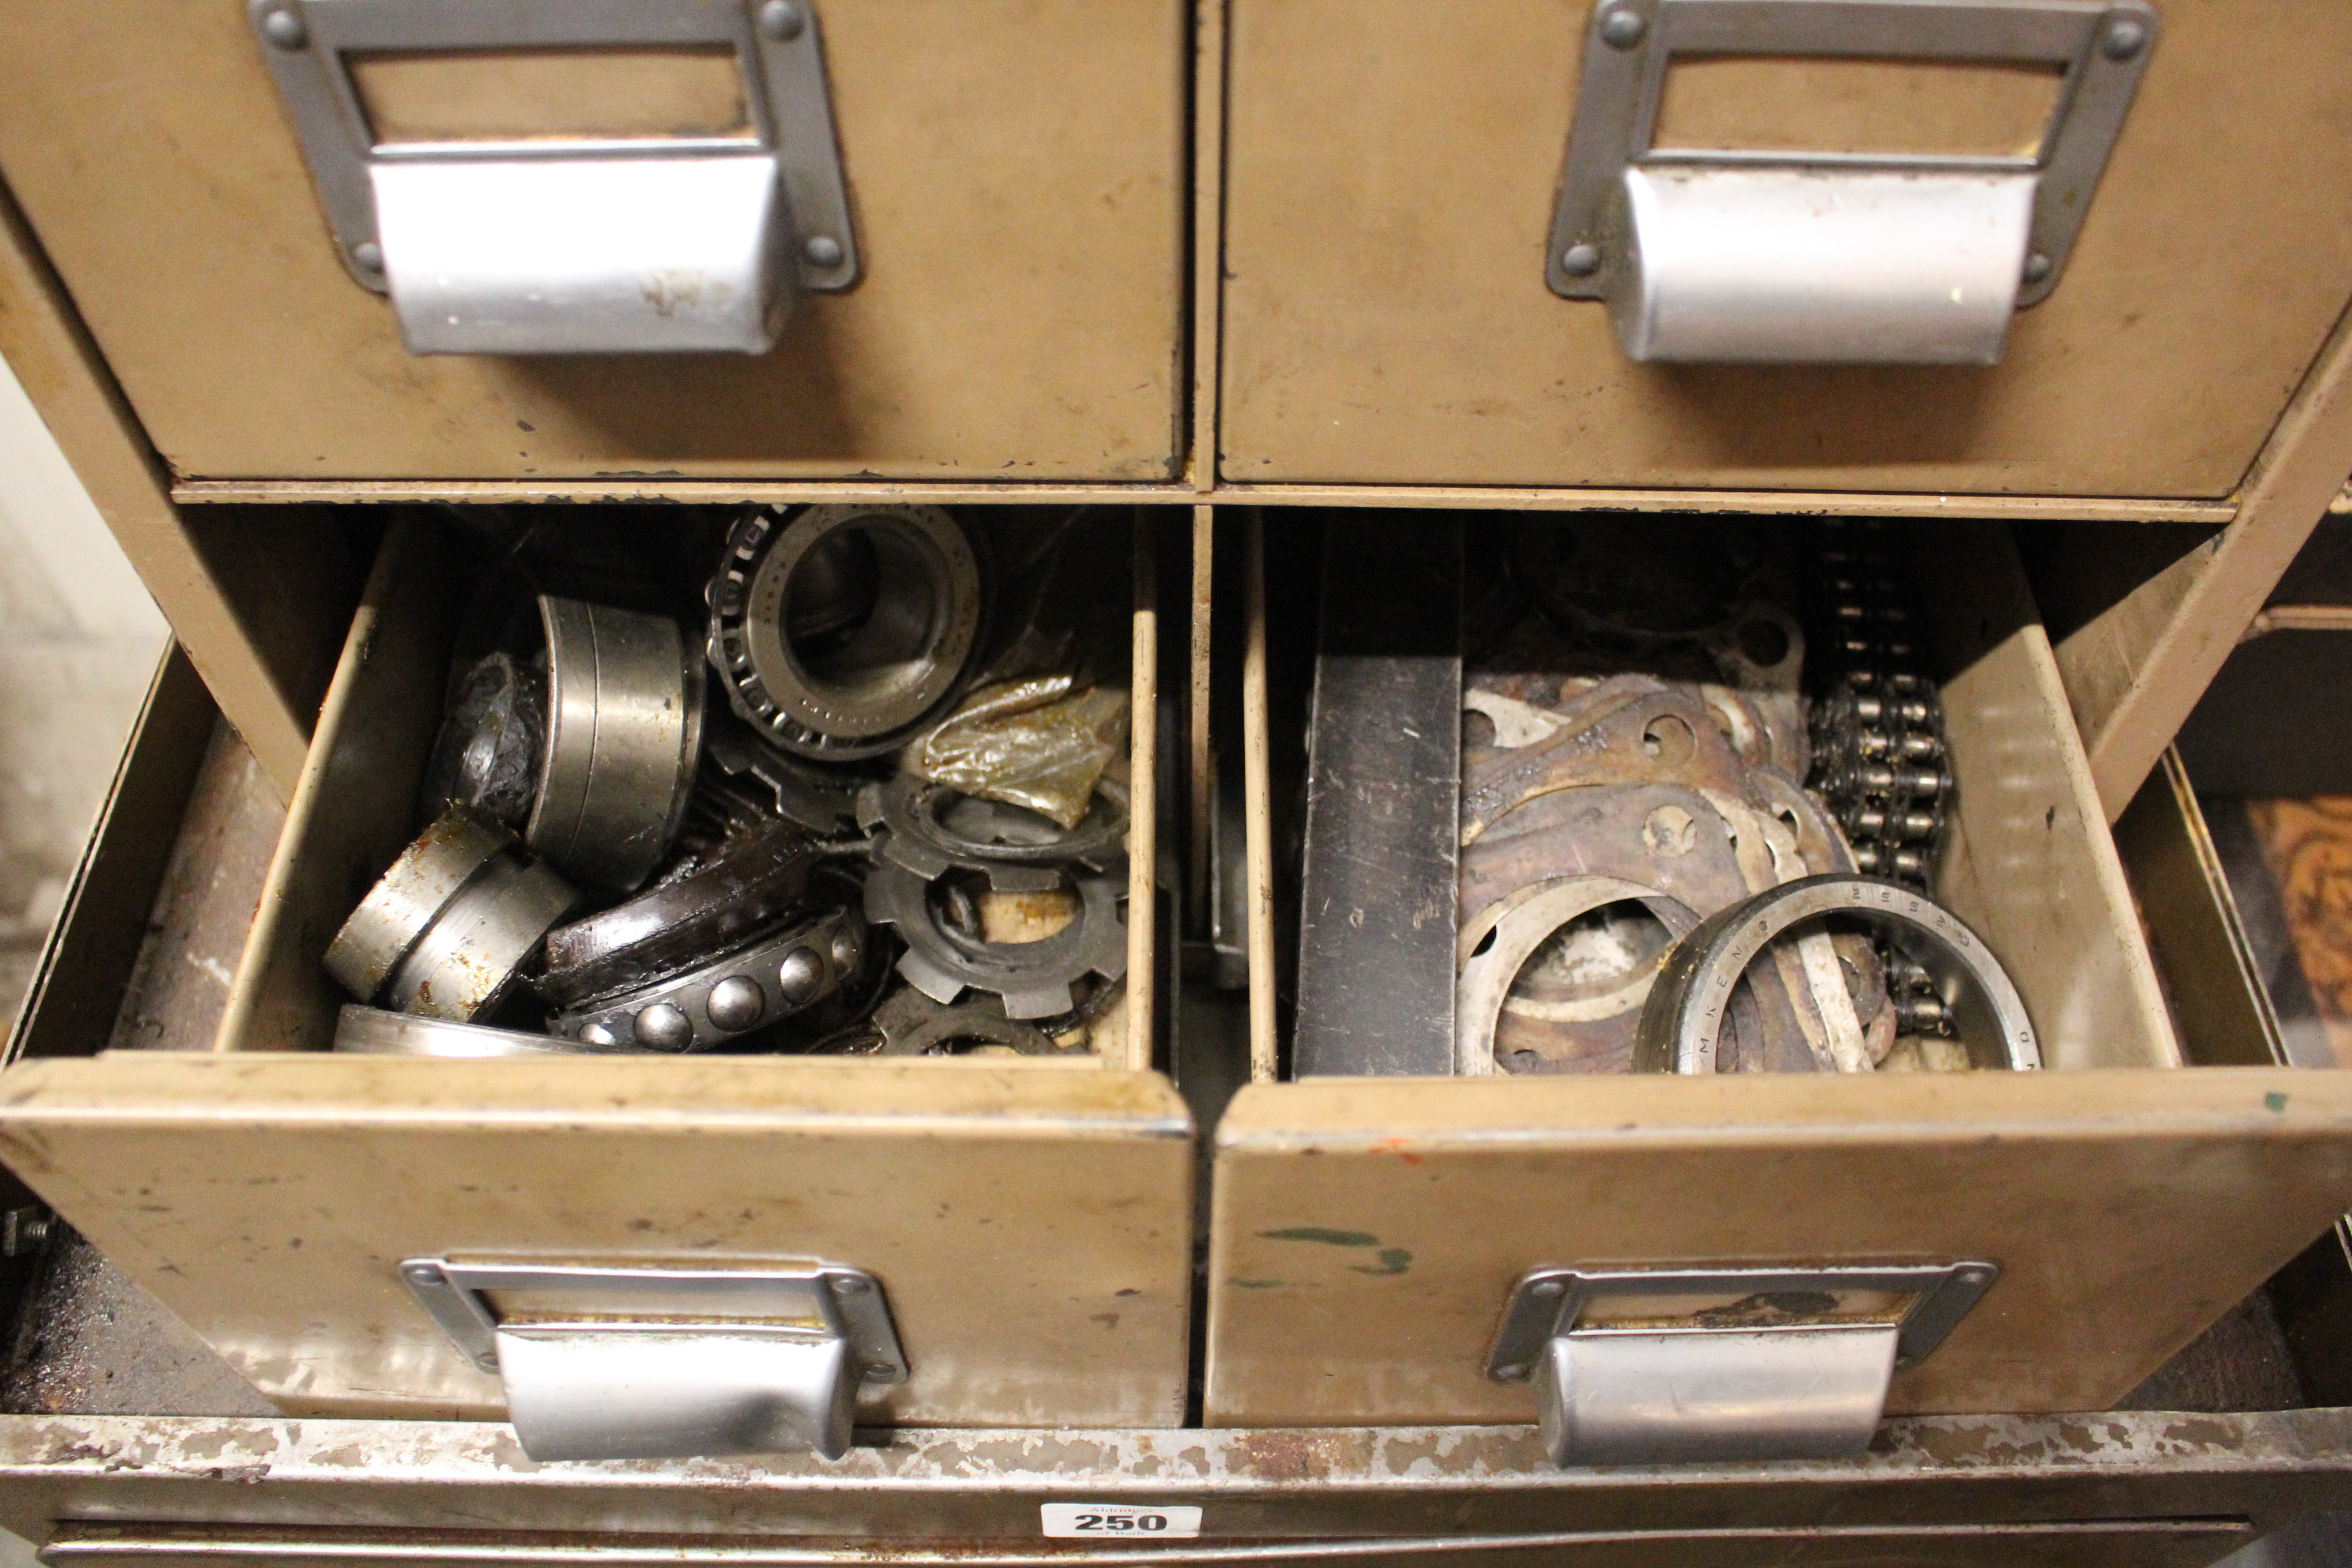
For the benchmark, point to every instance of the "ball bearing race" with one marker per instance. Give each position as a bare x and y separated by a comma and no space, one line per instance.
768,979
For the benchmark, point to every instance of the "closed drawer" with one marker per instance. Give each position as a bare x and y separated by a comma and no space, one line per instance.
1392,173
1016,176
1367,1232
1028,1218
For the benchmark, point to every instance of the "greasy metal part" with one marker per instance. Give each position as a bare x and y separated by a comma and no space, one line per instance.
1628,730
1877,726
1034,978
766,979
681,922
1715,255
1383,787
931,829
405,901
492,743
772,782
623,733
668,1363
447,929
912,1025
573,245
373,1032
1487,974
472,953
1684,1019
838,635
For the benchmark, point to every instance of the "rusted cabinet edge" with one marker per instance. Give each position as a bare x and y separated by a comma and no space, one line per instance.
1360,1482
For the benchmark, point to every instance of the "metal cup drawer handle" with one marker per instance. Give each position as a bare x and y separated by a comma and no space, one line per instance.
574,244
1722,1365
663,1363
1730,256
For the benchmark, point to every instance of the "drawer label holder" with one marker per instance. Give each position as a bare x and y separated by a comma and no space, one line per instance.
1104,1520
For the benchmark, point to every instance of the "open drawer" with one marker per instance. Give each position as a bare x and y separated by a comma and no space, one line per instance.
1367,1233
1027,1218
123,1458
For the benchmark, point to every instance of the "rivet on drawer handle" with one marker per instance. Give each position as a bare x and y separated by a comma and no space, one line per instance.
1742,257
583,243
1640,1366
637,1364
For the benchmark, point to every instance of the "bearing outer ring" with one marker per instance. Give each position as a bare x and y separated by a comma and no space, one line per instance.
371,1032
623,731
677,1014
765,680
675,924
445,931
407,899
1684,1018
471,955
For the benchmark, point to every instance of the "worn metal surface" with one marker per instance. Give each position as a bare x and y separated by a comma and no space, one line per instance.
1352,1483
1864,279
2165,1543
1384,1223
1383,322
1383,793
623,735
840,632
1687,1011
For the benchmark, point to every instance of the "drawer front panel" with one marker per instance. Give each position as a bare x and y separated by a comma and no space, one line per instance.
1015,170
1029,1227
1390,181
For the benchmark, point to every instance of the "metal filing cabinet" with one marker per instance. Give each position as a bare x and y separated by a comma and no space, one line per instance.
1023,185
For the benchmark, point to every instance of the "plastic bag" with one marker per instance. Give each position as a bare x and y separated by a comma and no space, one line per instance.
1034,744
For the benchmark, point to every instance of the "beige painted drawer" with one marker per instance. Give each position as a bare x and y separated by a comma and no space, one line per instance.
1029,1219
1016,172
1366,1233
1391,171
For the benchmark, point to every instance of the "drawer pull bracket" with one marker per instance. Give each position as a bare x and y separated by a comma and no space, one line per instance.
495,237
1739,255
1639,1366
643,1363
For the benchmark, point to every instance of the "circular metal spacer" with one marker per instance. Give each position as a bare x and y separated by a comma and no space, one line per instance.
897,595
1484,983
1685,1016
623,731
770,978
933,829
1034,978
